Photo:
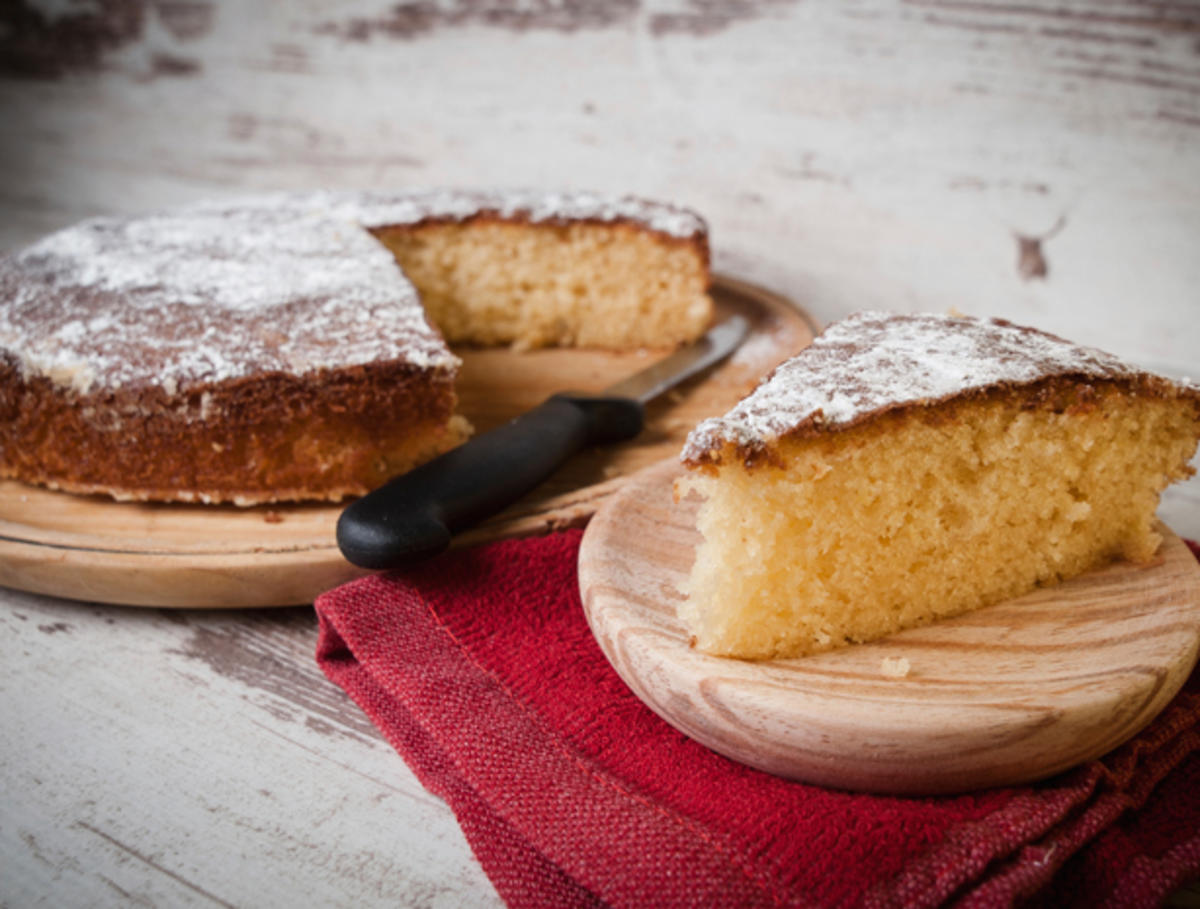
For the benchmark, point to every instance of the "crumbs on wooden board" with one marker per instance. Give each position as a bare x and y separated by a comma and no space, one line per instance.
895,667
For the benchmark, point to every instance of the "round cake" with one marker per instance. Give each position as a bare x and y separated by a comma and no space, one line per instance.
274,349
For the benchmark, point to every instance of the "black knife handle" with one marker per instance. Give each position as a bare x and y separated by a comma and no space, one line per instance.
414,516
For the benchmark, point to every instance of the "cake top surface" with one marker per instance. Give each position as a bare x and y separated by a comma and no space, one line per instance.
229,288
873,362
380,209
180,297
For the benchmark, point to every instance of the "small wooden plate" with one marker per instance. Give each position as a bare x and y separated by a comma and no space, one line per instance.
92,548
1004,695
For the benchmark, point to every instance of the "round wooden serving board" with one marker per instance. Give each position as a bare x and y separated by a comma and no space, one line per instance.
1004,695
92,548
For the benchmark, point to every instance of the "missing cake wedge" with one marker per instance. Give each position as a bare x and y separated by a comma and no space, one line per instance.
908,468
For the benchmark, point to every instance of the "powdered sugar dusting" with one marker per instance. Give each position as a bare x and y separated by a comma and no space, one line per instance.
225,289
376,210
875,361
175,298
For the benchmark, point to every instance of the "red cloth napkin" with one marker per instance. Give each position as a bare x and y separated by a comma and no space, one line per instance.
480,670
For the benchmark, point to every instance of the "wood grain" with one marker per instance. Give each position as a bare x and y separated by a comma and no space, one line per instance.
91,548
181,758
1008,694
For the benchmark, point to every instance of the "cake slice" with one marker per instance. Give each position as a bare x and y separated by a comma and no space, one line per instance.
907,468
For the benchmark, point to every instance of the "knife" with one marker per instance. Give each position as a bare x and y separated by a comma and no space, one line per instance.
414,516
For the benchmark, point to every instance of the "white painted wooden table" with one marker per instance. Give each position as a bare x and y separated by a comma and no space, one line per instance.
1039,161
183,758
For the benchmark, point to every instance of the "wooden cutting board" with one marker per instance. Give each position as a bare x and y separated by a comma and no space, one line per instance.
1004,695
92,548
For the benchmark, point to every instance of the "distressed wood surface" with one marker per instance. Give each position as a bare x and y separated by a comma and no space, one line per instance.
198,759
1032,160
1001,696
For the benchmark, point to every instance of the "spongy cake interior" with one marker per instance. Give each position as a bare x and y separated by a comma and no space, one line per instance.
925,513
491,282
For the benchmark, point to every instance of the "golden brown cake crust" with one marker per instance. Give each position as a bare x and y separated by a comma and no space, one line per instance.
374,210
257,439
697,240
873,363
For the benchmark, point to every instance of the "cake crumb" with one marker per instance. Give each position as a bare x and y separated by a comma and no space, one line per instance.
895,667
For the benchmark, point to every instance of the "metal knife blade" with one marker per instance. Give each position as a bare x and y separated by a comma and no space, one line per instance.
718,343
414,516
